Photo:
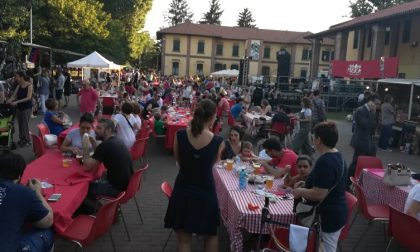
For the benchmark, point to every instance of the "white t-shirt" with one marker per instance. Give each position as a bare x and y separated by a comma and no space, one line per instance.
186,93
124,131
307,112
414,195
138,122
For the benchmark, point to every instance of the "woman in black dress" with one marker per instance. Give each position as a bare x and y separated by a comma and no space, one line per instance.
193,206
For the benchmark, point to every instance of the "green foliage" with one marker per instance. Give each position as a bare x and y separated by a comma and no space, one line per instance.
179,12
365,7
14,16
213,15
245,19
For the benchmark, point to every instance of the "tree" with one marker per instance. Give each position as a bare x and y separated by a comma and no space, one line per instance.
245,19
179,12
365,7
213,15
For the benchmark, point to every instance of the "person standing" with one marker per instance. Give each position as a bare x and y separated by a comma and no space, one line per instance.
193,206
44,89
364,130
327,184
88,98
318,109
67,87
301,140
60,87
388,120
22,100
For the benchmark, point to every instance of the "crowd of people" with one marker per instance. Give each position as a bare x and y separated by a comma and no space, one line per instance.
193,207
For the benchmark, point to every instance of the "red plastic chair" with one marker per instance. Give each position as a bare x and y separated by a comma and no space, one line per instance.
280,240
405,229
85,228
43,130
351,201
133,187
138,149
372,212
167,190
108,105
37,145
366,162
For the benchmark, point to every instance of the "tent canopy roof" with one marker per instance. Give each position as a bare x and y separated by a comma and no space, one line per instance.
226,73
94,60
416,82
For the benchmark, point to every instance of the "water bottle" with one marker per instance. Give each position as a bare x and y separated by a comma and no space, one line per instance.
237,160
242,180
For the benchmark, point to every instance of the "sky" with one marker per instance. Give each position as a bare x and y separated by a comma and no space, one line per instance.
291,15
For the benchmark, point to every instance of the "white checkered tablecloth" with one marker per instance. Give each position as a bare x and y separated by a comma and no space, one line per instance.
233,204
377,192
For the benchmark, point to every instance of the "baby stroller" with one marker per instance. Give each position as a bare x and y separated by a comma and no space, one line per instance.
7,117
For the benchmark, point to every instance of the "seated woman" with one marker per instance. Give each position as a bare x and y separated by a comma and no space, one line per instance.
51,117
265,108
247,153
233,144
73,141
304,167
412,204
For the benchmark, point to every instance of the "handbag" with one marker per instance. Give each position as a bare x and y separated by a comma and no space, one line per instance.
308,212
397,175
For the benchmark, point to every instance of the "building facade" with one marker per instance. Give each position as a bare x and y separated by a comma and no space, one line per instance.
200,49
392,32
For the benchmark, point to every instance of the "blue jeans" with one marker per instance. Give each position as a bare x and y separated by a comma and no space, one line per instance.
38,240
386,134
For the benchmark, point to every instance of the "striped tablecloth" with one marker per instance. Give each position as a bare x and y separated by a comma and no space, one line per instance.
234,210
377,192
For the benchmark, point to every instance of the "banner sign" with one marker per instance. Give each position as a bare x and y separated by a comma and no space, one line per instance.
370,69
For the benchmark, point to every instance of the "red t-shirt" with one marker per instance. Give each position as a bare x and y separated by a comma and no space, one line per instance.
88,100
289,157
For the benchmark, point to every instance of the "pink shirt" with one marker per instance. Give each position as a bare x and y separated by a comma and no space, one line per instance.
223,106
88,99
289,157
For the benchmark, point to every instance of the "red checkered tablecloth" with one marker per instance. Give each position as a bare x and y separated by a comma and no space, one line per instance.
234,210
377,192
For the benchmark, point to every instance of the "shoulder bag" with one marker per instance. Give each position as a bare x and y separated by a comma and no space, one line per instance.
307,213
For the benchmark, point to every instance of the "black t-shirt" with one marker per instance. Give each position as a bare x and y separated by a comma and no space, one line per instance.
327,170
116,158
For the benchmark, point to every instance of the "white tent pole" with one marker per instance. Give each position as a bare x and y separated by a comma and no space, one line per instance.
410,103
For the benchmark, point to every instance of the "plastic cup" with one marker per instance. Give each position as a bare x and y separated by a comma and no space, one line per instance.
229,164
269,182
66,162
256,167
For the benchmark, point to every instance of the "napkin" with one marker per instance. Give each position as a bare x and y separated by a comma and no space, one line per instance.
298,238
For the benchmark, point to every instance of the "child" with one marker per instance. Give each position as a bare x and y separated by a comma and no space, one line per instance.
246,152
304,167
164,112
159,125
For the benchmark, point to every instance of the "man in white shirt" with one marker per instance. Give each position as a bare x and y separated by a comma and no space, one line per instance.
412,204
126,125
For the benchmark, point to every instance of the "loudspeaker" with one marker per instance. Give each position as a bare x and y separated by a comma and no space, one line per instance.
241,72
283,66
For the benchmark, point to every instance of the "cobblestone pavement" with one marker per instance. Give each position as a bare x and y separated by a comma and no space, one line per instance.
151,235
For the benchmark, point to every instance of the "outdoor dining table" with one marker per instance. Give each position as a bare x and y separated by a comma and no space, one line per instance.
71,182
177,120
233,204
254,121
377,192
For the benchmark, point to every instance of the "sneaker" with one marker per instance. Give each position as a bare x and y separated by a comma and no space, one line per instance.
33,116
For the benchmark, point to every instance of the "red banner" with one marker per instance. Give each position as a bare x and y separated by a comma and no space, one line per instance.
370,69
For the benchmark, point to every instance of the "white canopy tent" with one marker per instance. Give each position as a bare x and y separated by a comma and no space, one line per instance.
94,60
226,73
407,82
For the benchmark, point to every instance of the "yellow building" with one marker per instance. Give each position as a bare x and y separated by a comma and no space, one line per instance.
392,32
190,49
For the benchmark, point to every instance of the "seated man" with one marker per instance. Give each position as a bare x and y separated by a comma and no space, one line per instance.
236,109
20,204
280,158
113,153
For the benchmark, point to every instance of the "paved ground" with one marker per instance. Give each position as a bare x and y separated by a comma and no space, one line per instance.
151,235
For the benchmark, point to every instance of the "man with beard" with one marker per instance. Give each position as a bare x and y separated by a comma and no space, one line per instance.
113,153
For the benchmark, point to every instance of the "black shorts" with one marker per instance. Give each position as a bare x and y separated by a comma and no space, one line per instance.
58,94
67,90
